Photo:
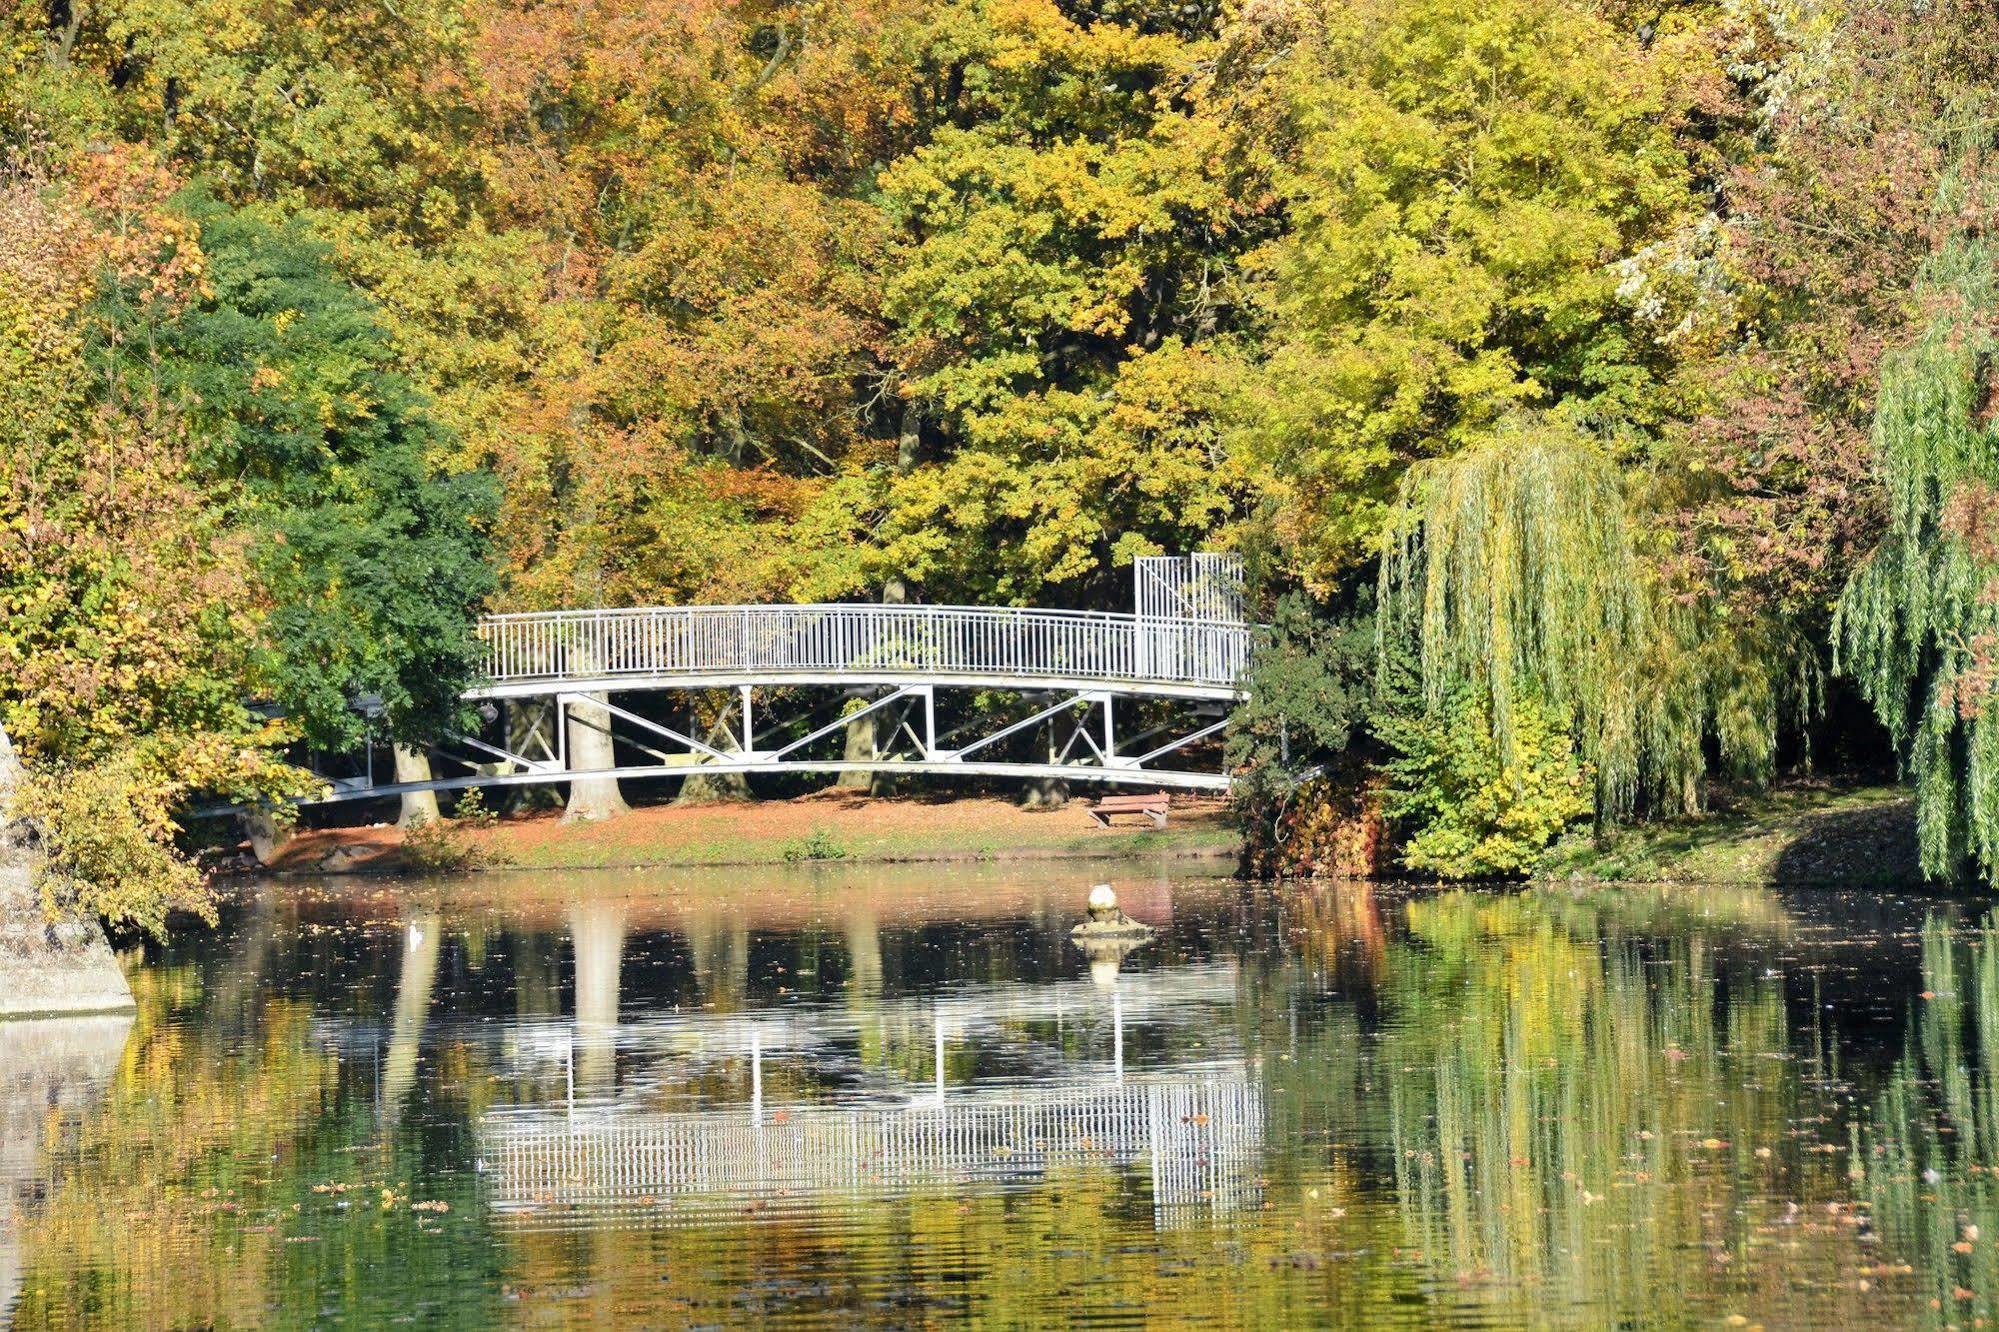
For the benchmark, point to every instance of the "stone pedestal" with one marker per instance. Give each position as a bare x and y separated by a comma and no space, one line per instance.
51,969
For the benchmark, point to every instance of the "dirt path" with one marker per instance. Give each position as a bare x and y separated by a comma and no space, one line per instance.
825,826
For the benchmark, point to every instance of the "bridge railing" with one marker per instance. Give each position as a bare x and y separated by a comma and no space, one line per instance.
695,640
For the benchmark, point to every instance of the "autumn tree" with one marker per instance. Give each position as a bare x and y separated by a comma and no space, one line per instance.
1459,182
125,597
1060,292
1790,293
709,286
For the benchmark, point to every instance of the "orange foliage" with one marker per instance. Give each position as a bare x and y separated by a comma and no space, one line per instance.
694,171
115,587
1332,827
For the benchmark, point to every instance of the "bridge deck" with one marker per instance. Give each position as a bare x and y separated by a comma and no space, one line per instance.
841,644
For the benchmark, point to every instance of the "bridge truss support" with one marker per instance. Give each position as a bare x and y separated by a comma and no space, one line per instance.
1113,738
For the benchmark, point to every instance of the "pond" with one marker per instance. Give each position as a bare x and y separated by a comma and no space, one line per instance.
905,1097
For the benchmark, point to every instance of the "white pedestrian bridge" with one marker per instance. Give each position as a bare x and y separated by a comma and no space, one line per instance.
843,644
1135,699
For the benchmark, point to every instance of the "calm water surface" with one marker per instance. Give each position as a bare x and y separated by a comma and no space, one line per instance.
907,1098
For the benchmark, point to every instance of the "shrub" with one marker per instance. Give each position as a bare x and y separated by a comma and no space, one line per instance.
818,846
1469,813
109,839
432,846
1310,682
1330,827
108,849
473,811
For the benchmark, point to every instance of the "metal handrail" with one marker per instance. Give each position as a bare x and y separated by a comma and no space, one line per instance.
861,638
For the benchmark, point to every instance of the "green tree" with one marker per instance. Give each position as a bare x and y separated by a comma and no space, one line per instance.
1919,623
1518,569
370,560
1310,684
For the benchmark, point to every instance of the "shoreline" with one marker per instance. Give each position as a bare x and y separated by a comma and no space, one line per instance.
1794,835
1032,856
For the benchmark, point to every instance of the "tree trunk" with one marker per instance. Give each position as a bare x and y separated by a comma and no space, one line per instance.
592,799
265,836
908,445
1045,793
1050,792
860,749
524,733
413,765
862,732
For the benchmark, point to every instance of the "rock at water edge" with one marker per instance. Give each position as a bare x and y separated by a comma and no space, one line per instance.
46,969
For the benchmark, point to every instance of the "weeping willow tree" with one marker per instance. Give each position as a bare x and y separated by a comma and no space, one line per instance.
1513,572
1918,622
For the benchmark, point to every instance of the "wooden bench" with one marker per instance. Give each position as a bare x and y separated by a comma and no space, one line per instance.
1153,806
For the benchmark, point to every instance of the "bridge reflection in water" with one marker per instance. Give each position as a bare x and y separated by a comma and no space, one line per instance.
1197,1138
608,1151
664,1114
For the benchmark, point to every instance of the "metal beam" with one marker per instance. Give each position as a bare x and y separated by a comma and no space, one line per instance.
837,724
1118,776
647,723
473,742
1023,724
1104,757
1181,743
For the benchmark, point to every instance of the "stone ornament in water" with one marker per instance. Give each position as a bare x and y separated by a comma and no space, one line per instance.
1107,922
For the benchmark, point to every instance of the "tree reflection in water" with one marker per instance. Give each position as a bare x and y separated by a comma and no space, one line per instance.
1929,1162
1511,1107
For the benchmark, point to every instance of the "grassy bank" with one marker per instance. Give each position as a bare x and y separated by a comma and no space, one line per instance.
1794,834
827,826
1863,836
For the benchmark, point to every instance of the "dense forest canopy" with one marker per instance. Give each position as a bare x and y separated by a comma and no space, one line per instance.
1602,394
